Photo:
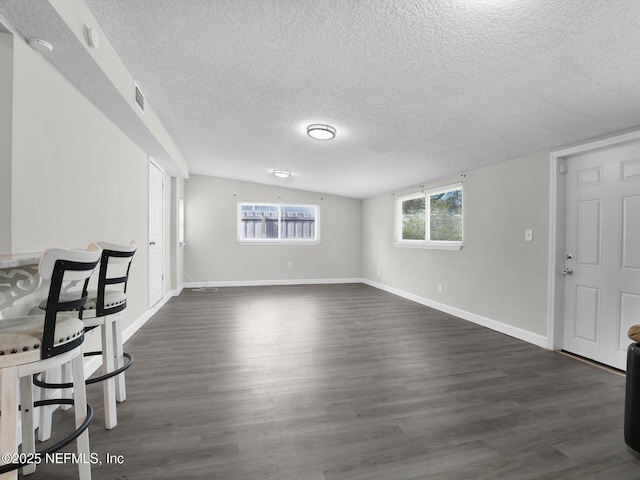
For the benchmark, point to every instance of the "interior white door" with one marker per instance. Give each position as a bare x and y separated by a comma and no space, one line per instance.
602,266
156,214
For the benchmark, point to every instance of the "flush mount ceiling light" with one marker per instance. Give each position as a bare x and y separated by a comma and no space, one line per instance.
40,44
321,132
282,173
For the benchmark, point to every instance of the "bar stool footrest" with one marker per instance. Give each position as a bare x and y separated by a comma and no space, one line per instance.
115,372
62,443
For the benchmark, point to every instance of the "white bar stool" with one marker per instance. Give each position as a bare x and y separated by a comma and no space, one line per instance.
104,308
33,344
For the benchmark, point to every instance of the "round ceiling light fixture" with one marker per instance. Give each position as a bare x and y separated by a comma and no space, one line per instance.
321,132
282,173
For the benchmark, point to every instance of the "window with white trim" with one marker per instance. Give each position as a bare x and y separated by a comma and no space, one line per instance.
278,223
430,219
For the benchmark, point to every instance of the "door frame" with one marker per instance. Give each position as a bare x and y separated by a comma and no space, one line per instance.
153,163
557,225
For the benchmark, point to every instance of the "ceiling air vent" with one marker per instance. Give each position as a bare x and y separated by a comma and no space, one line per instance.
139,98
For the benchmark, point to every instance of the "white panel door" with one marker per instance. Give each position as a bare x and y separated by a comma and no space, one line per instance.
602,267
156,215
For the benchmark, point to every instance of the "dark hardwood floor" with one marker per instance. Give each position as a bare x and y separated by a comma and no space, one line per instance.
338,382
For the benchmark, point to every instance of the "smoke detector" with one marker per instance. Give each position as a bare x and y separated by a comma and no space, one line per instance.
40,44
91,34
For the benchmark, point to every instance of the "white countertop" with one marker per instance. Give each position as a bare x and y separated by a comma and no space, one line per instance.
12,260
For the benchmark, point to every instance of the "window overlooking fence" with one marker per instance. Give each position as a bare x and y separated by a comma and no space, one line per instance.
278,223
430,219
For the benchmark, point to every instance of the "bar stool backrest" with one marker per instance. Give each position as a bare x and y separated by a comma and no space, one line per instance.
59,266
119,256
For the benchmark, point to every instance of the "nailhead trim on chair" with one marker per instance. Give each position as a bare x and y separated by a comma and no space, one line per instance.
89,306
24,349
36,346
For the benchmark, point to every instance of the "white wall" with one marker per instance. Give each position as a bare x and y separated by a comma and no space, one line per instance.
497,275
212,253
76,177
6,115
78,16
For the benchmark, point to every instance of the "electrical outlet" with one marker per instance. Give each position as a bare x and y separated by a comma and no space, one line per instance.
378,272
440,289
290,264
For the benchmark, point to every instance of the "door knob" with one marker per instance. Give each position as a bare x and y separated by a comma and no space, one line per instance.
152,243
567,271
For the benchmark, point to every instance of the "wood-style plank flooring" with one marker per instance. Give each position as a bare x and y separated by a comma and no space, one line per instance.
337,382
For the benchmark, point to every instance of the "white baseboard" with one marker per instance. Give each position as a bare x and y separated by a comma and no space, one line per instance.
259,283
519,333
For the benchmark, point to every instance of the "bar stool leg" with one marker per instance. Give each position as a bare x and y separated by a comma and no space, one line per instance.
65,375
108,385
45,412
121,389
80,410
28,427
9,417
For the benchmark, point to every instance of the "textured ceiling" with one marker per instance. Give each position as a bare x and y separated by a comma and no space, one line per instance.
417,89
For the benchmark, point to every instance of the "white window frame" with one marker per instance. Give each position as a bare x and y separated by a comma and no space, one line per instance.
427,244
278,241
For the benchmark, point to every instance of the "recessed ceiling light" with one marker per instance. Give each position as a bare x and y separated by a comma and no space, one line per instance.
282,173
321,132
40,44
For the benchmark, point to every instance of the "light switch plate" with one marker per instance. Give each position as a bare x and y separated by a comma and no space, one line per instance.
528,235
